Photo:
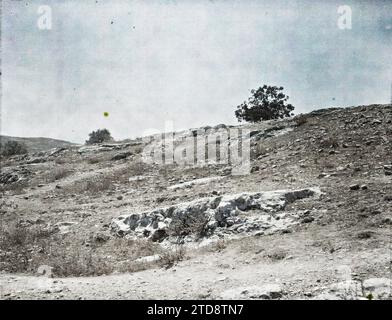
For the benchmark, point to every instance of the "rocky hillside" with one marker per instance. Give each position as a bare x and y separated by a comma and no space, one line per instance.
312,219
37,144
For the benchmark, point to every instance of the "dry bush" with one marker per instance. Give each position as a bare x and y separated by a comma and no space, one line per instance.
300,119
128,250
79,261
18,244
168,258
60,173
94,160
190,225
26,248
106,182
137,149
20,235
70,260
11,148
220,244
138,168
100,185
56,174
134,266
132,249
91,186
74,261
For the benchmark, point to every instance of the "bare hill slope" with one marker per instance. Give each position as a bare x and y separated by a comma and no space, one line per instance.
37,144
312,219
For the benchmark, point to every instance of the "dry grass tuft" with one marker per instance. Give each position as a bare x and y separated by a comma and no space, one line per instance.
26,248
169,258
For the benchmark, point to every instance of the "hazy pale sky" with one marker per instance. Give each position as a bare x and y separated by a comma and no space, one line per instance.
192,62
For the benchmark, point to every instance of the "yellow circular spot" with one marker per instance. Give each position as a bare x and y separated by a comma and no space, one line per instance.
106,114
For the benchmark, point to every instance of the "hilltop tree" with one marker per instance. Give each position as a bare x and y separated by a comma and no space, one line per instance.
265,103
11,148
99,136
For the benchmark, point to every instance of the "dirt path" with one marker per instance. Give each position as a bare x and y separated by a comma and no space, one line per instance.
303,272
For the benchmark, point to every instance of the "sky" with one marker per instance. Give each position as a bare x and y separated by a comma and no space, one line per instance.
190,62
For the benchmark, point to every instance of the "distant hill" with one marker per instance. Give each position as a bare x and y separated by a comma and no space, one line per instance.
37,144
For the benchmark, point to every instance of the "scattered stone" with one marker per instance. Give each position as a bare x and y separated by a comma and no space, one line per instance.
189,184
148,259
64,227
37,160
120,156
255,169
345,290
138,178
265,292
387,220
307,219
365,234
388,198
355,187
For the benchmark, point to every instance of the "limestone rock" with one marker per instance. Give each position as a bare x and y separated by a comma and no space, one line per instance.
207,214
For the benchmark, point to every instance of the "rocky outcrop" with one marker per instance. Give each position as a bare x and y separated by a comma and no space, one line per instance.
265,292
96,148
231,214
190,184
373,288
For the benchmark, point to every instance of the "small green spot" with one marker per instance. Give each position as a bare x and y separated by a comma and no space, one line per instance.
106,114
369,296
